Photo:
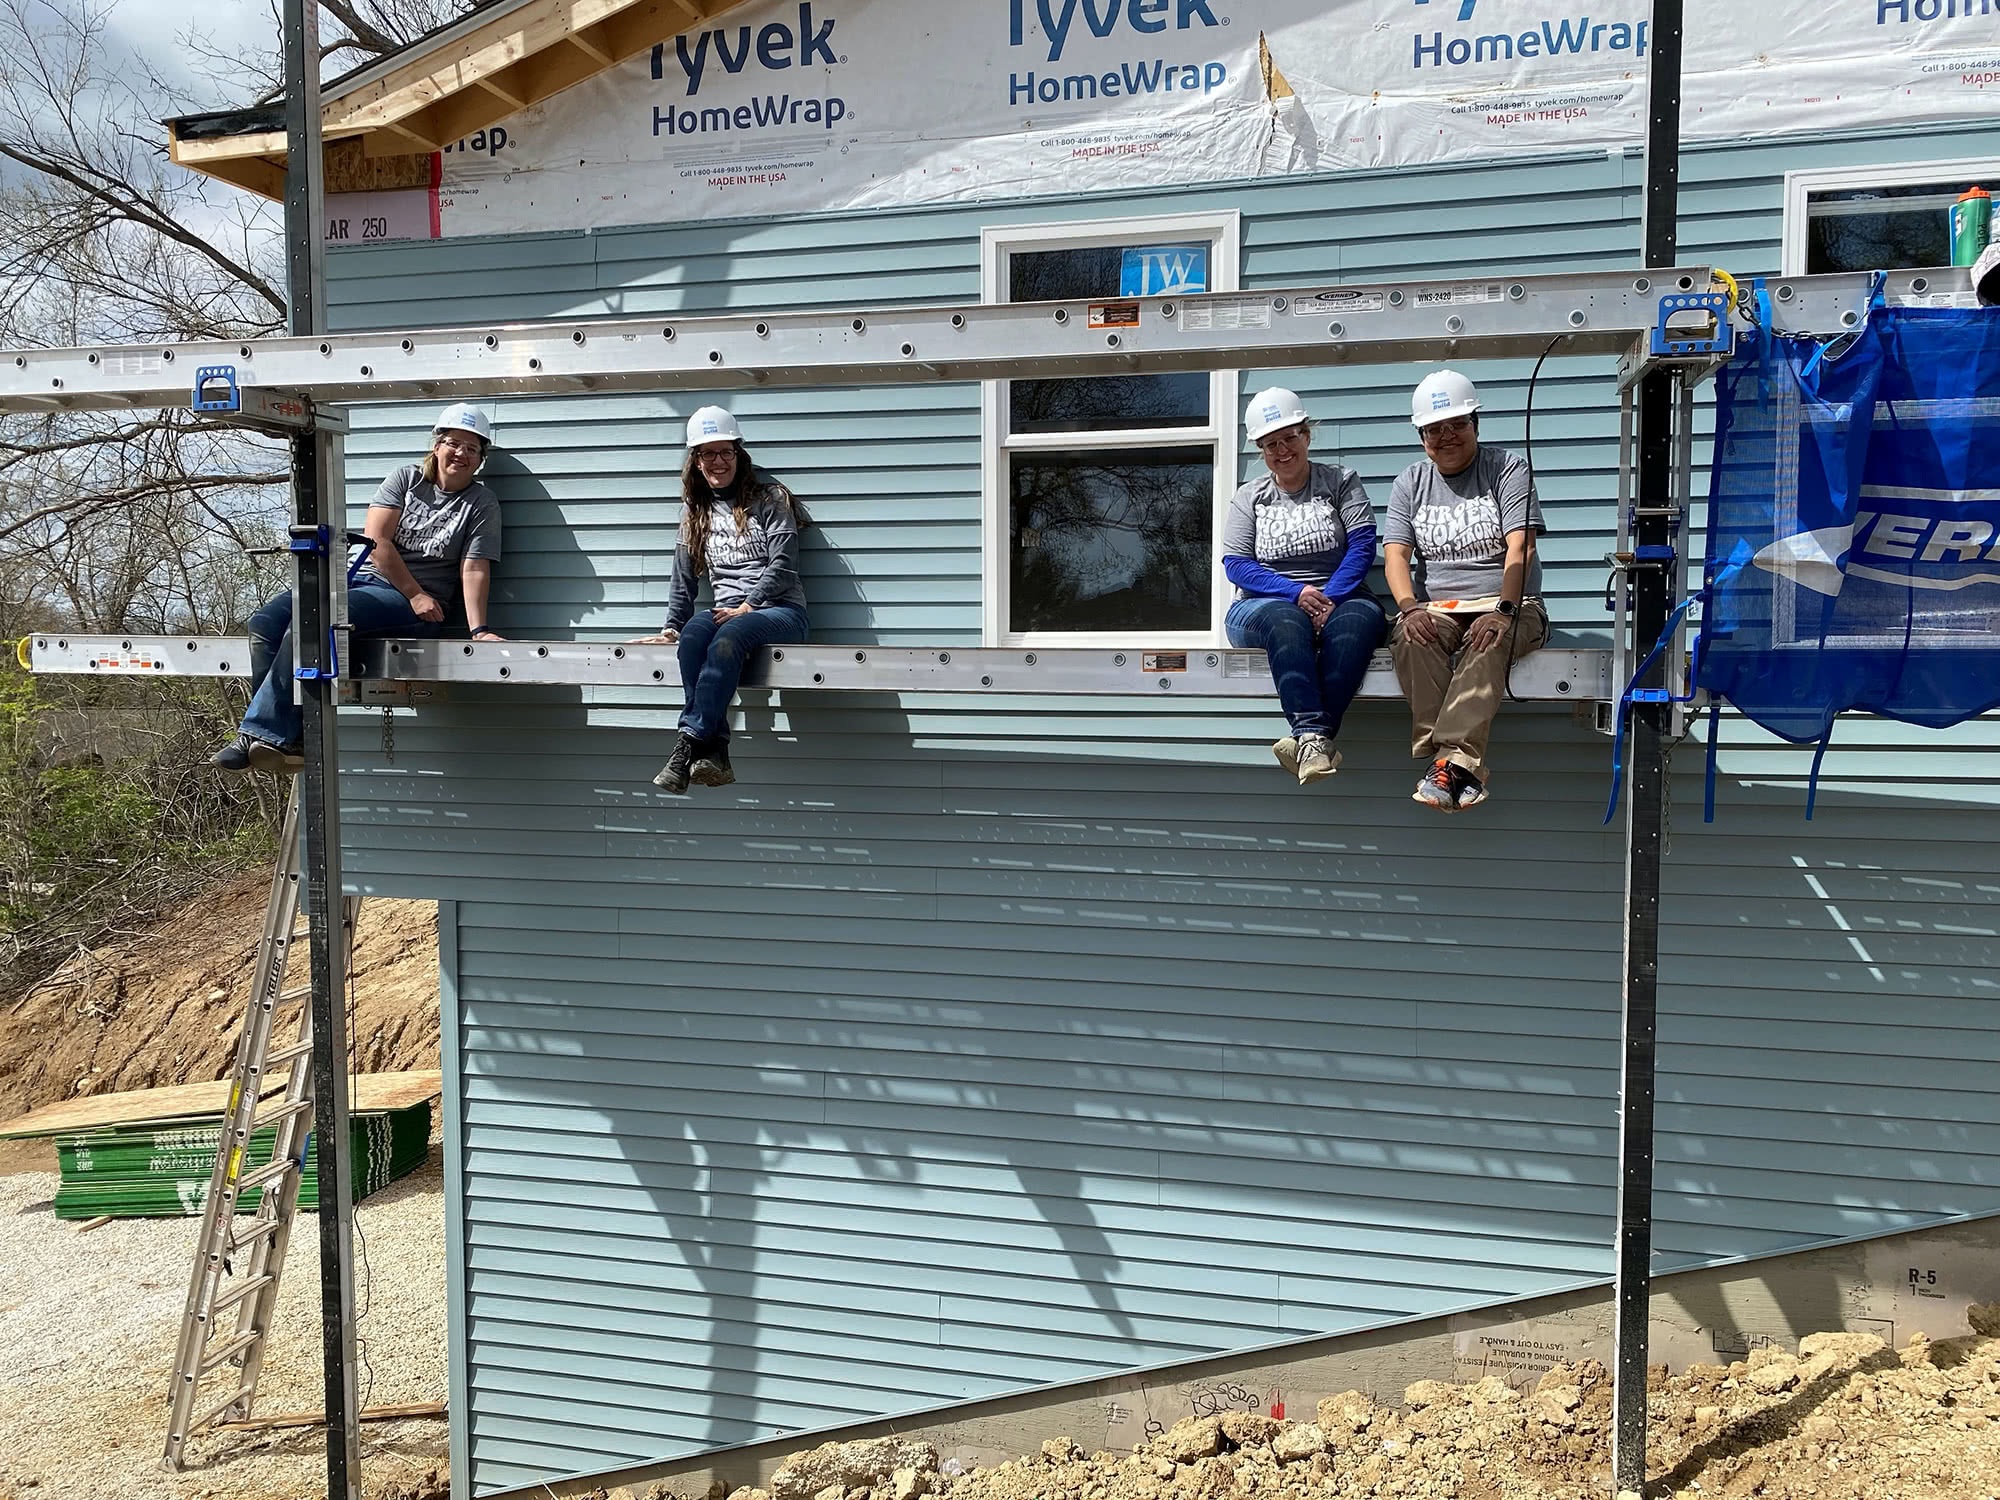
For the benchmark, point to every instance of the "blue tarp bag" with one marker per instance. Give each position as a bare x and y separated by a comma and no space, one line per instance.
1854,525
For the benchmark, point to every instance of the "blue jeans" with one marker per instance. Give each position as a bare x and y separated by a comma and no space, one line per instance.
712,658
374,607
1317,672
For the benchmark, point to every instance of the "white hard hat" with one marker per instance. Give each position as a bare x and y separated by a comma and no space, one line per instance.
1442,395
465,417
712,425
1986,275
1271,409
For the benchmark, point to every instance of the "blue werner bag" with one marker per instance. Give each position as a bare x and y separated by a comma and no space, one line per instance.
1854,524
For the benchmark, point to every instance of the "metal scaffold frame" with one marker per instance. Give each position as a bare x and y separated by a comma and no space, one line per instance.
1664,323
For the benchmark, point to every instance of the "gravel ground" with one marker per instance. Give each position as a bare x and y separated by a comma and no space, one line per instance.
88,1324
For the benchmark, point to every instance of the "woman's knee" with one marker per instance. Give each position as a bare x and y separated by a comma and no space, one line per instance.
273,619
1289,626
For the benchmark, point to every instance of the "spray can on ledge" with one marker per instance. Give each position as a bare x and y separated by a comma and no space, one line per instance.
1971,225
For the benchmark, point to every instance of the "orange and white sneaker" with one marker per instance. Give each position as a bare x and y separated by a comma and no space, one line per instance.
1438,787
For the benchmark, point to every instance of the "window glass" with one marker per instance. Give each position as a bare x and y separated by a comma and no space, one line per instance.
1103,404
1880,228
1106,403
1114,539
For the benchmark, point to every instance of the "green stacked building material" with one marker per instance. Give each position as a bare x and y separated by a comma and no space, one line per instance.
136,1171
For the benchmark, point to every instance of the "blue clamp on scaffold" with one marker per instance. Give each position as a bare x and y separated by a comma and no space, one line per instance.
230,398
317,541
1667,344
1661,553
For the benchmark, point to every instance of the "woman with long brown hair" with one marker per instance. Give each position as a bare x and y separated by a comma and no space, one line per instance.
739,529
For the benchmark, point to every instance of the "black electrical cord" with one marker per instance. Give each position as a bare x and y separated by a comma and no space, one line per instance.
1528,443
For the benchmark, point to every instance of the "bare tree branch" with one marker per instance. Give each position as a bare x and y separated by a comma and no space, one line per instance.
118,198
361,29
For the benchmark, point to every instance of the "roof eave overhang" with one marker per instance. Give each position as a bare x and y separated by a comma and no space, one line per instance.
476,73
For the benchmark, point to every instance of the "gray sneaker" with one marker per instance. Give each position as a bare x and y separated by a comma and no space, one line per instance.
1317,758
1287,751
234,756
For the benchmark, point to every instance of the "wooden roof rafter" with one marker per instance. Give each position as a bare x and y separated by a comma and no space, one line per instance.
448,87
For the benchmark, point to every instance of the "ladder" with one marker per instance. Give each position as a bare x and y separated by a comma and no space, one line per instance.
237,1265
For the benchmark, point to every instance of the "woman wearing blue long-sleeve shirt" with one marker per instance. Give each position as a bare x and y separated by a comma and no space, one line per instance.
1298,543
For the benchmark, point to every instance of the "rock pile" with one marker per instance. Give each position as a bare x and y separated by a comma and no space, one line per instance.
1845,1418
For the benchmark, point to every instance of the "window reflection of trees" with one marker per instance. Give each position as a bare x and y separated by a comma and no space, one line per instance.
1856,230
1109,541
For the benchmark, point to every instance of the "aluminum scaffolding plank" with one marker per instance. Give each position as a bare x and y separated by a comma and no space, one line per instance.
1593,312
1599,312
1555,674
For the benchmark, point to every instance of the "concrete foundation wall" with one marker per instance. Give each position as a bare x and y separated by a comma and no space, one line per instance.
1892,1287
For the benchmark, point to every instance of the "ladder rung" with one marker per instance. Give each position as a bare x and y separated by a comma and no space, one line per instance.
243,1393
242,1291
296,992
222,1353
279,1112
291,1052
269,1173
258,1229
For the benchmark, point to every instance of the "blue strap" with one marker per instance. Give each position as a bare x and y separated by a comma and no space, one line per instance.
367,545
1812,781
1626,698
1877,281
1708,787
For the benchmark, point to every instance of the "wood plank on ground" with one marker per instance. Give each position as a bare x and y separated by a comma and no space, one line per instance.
369,1094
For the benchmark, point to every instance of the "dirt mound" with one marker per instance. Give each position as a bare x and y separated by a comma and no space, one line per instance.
1845,1418
166,1006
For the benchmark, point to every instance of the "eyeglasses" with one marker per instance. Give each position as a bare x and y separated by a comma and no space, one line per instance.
469,446
714,455
1450,427
1285,438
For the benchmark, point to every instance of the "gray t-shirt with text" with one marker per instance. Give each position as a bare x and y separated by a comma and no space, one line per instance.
1457,526
438,529
758,565
1301,537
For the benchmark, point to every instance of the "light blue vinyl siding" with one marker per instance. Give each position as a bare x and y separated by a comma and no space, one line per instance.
972,1044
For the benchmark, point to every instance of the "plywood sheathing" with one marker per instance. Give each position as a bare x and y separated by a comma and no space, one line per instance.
369,1094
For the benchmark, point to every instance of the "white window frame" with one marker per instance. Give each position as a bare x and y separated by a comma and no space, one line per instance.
1799,186
1223,231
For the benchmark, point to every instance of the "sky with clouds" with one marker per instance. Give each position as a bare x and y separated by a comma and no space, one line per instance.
154,28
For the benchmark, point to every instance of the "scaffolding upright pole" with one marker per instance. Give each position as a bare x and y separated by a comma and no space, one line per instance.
1656,527
319,551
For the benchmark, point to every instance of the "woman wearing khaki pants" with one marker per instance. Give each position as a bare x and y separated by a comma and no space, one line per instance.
1460,561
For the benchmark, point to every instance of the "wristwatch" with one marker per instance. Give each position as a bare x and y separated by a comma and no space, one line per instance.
1507,607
